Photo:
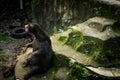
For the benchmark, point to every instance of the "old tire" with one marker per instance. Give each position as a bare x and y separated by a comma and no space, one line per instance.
18,32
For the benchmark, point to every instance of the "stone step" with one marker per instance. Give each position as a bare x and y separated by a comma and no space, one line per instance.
108,72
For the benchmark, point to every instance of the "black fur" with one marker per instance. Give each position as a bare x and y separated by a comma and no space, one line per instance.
41,57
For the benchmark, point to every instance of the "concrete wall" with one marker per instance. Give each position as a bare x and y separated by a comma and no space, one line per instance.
52,14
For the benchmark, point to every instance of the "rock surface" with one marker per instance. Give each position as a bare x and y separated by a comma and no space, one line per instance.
107,36
97,27
108,72
19,69
62,49
60,74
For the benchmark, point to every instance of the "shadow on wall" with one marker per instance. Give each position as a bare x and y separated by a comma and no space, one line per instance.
55,14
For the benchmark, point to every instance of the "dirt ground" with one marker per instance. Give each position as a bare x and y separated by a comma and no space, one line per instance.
10,49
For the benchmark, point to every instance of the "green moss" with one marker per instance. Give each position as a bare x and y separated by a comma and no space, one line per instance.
91,46
75,39
94,47
79,72
63,39
5,38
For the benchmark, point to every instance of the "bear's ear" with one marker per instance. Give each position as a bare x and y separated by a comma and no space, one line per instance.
27,27
34,25
31,25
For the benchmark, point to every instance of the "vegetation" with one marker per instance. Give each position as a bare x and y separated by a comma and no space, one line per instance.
92,46
99,50
3,56
74,39
63,39
5,38
78,72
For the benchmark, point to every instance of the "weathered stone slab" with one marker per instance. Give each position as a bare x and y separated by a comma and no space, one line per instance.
96,28
108,72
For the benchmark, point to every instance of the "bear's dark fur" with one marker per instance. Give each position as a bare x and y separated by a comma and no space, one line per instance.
41,57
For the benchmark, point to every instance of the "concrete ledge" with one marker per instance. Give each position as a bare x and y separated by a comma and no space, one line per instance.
107,72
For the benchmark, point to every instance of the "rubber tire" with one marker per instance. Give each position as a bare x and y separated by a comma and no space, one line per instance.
14,33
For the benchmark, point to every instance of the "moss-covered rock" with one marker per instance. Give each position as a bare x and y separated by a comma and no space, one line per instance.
96,40
73,39
91,46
